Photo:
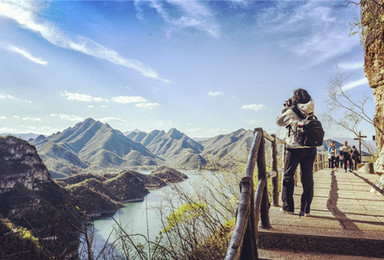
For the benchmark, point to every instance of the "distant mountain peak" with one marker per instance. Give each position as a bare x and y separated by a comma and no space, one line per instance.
89,120
92,144
174,133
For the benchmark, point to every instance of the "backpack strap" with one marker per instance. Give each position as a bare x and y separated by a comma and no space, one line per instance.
298,112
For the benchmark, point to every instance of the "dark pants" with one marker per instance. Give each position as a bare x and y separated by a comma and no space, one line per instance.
333,162
355,162
348,159
337,161
293,157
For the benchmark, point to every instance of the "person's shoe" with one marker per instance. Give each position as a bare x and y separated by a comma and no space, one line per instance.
345,170
286,212
302,214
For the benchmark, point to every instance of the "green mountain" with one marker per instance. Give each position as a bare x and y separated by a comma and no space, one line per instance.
232,148
176,148
91,145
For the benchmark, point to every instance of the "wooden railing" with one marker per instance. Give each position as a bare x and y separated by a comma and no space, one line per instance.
255,206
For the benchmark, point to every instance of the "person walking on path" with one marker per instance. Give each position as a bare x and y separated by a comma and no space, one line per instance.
296,153
346,152
355,156
333,159
341,159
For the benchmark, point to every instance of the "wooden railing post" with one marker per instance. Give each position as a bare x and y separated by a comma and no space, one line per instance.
254,206
261,197
243,244
275,180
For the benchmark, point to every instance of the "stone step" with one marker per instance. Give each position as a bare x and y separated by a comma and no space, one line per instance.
346,218
270,239
265,254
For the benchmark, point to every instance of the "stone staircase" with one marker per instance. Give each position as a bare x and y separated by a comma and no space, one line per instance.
346,219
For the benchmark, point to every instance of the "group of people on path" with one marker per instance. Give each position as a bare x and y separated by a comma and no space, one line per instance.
298,152
343,156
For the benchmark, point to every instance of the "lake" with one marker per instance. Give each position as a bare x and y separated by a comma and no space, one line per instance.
136,217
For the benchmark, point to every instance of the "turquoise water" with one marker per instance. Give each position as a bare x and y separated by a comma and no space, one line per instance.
141,217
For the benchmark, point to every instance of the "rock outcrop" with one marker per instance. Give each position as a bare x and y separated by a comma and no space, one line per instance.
372,18
20,165
29,199
169,175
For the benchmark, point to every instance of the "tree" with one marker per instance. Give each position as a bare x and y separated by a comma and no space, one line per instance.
352,110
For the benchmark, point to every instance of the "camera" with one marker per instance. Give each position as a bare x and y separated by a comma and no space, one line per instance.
288,103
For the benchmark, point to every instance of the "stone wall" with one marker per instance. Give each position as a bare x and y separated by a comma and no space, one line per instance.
20,165
372,15
372,18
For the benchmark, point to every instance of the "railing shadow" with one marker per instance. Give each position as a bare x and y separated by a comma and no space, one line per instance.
370,183
332,206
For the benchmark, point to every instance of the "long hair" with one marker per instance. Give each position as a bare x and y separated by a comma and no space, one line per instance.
300,96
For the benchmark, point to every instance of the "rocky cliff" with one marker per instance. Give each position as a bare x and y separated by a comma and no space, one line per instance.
372,18
20,165
32,202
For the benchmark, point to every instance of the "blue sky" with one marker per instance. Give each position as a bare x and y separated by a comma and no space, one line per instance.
203,67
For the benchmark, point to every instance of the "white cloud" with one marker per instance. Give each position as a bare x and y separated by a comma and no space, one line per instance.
3,117
215,93
6,97
13,98
82,97
254,107
311,29
25,13
111,120
356,83
34,119
16,117
323,46
6,130
181,15
147,105
348,66
25,54
68,117
44,130
129,99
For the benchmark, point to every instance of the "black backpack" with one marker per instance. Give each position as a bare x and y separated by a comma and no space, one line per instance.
309,131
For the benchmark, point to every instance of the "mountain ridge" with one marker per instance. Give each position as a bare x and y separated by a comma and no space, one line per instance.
91,145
